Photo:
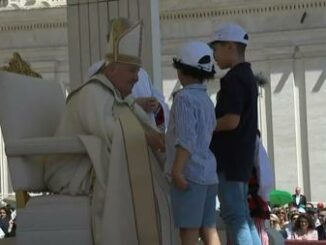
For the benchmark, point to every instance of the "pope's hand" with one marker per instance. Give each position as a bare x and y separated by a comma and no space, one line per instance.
156,140
149,104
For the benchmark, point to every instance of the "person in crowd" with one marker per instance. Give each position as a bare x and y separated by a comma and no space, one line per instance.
7,225
120,171
190,163
304,229
320,206
291,210
281,214
234,139
290,226
274,222
298,199
313,212
321,229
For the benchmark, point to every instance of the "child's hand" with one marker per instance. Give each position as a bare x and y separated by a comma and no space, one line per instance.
179,181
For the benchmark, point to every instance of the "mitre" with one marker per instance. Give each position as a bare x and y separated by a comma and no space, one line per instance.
124,42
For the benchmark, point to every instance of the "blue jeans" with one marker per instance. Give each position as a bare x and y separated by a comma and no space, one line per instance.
235,212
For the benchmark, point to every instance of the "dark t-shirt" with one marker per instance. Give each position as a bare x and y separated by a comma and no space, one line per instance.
234,150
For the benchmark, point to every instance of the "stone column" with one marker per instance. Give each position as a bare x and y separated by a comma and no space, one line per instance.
301,126
88,27
267,124
149,12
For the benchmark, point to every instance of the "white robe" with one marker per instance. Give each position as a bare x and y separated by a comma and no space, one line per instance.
92,112
145,88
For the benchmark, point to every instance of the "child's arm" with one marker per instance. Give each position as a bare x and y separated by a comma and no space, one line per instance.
181,158
227,122
185,130
233,100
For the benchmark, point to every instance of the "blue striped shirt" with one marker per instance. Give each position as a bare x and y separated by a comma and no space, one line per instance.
191,126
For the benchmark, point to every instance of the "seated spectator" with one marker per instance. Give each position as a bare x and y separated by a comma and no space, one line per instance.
275,222
281,214
290,226
313,213
321,229
304,229
292,210
7,225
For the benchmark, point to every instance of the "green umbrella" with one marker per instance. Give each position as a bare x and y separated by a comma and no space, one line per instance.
279,197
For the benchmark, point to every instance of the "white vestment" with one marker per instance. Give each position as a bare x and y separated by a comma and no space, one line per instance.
145,88
96,109
264,170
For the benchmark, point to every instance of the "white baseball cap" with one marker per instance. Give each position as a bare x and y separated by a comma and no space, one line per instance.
196,54
230,32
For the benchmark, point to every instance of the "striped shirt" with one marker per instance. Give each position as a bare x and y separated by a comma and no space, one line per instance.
192,122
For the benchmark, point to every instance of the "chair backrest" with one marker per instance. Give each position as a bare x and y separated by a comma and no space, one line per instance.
29,107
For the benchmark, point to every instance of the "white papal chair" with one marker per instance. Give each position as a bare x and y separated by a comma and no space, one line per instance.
30,110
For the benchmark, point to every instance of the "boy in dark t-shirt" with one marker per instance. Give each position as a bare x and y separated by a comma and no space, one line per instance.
234,139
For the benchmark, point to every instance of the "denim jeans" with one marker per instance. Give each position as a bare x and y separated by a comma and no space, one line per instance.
235,212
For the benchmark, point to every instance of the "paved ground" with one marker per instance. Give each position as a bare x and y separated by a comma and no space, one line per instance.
8,241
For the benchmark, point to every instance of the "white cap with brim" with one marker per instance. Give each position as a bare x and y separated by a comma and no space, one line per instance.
196,54
230,32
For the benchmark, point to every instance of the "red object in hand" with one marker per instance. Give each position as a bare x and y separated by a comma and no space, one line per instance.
159,116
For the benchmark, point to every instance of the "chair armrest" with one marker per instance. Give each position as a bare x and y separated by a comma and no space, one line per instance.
44,146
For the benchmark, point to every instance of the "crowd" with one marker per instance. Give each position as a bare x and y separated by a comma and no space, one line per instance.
7,221
300,220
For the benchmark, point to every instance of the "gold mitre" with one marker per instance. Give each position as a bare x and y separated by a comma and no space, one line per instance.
124,42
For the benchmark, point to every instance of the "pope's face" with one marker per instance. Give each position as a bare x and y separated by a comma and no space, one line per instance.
124,77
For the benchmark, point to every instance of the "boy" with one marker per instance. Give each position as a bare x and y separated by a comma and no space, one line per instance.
190,162
234,138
